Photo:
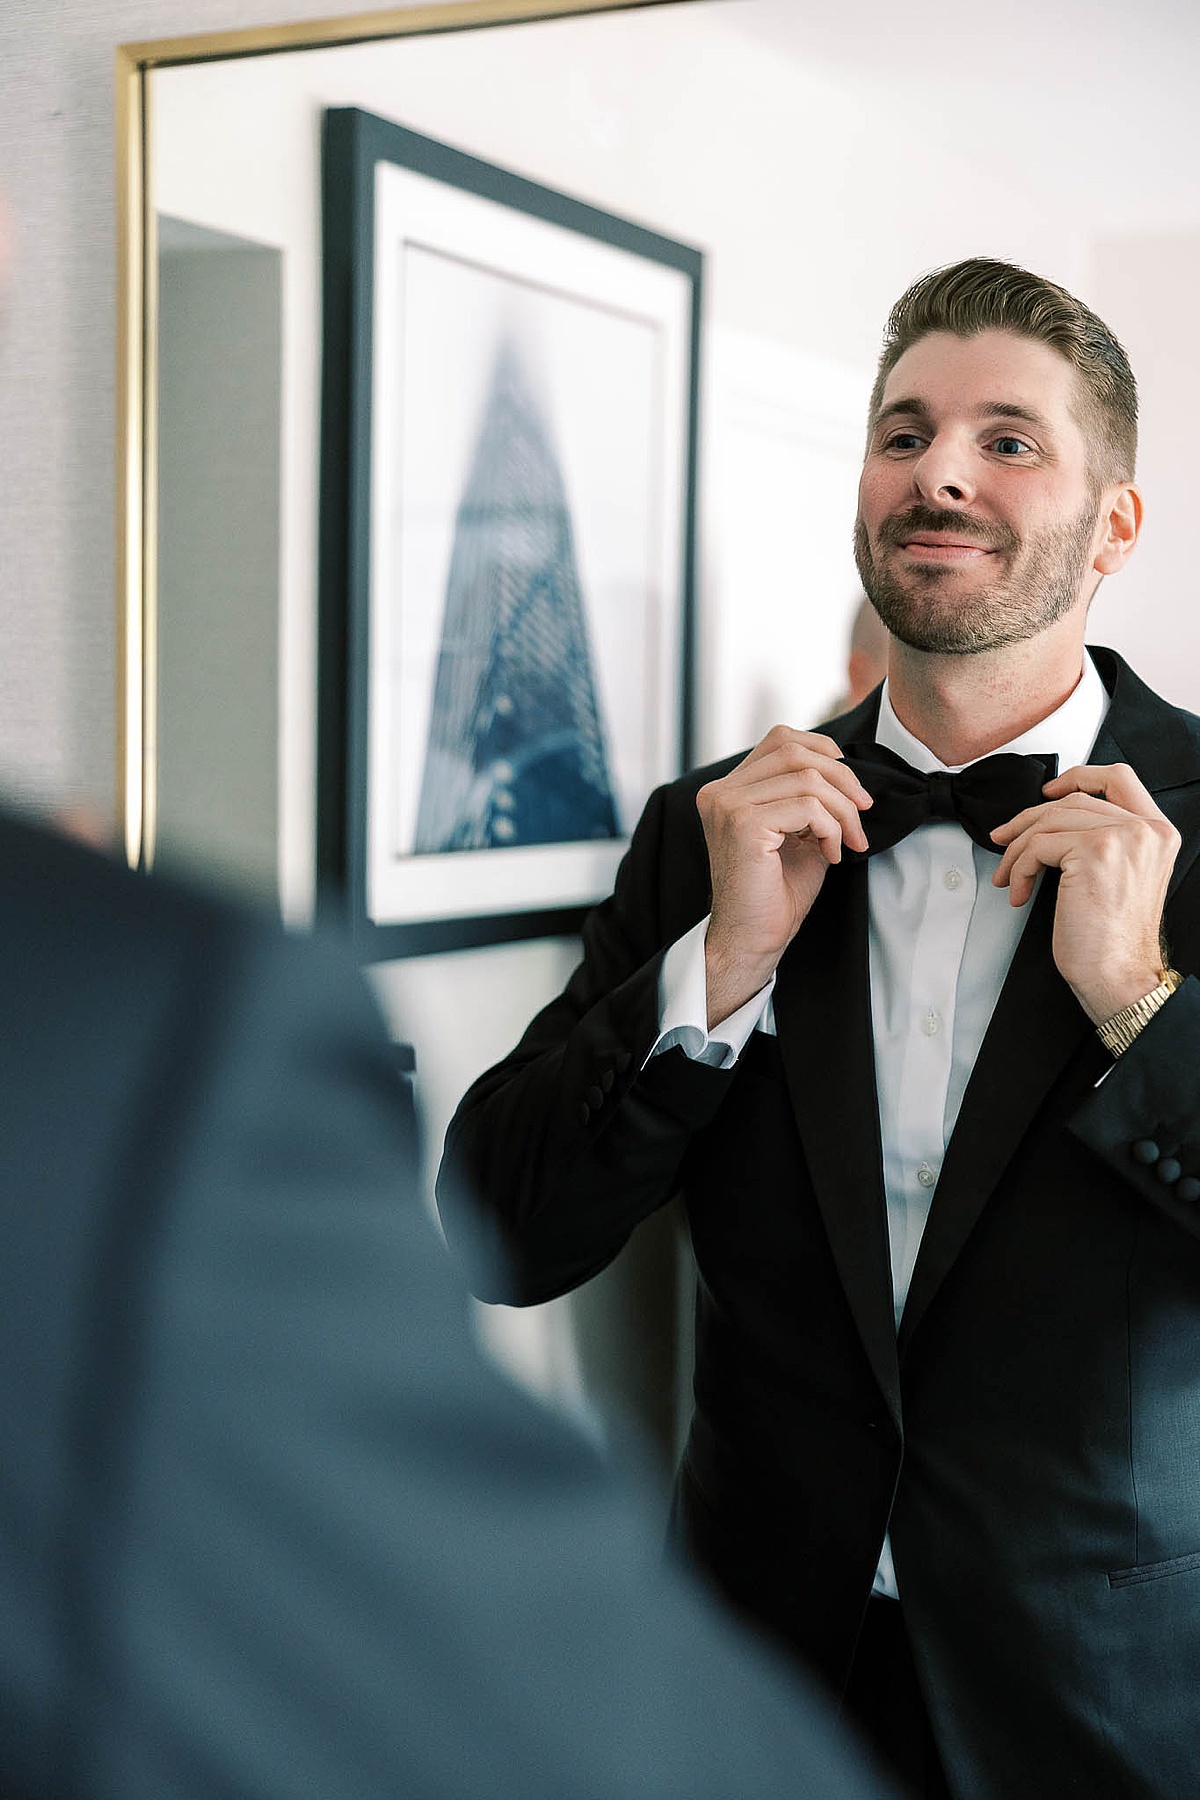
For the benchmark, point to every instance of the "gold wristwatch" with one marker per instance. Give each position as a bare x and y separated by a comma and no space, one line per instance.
1117,1033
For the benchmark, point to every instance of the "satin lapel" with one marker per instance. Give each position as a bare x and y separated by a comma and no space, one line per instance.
1036,1028
823,1017
1038,1025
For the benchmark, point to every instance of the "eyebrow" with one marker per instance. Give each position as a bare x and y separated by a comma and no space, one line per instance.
913,408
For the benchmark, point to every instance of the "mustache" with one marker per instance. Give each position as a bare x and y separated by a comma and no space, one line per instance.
988,533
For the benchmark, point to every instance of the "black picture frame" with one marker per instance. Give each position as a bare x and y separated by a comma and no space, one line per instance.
537,888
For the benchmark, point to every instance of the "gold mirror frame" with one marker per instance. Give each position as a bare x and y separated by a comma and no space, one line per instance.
137,336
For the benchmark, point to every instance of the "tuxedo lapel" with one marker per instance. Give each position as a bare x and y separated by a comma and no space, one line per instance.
823,1016
1036,1028
1037,1025
1160,744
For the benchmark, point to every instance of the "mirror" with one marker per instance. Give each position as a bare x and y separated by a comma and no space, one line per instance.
820,158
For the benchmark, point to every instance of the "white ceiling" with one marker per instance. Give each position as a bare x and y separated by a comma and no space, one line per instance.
1098,96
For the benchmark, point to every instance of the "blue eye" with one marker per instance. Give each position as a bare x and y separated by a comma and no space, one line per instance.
904,440
1010,446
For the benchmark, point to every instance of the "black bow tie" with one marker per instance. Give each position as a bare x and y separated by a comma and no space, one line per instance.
982,796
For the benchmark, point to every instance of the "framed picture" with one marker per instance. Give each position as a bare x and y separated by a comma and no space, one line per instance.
507,519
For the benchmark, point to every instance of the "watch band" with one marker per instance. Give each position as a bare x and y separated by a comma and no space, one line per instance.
1117,1033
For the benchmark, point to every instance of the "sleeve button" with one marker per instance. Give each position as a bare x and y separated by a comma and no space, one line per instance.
623,1060
595,1097
584,1114
1168,1170
1188,1188
1146,1151
606,1081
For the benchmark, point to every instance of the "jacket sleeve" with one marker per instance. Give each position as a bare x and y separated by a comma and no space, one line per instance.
323,1551
1143,1119
556,1153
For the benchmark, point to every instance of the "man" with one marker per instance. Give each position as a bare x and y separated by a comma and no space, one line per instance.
269,1526
934,1114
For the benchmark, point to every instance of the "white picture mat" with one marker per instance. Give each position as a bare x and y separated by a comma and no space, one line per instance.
604,338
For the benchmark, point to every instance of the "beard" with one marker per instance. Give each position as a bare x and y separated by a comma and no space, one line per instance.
1040,583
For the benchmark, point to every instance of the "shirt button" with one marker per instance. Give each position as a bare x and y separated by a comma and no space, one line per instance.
931,1024
952,880
926,1176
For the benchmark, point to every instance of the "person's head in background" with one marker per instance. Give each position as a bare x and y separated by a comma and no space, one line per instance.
866,655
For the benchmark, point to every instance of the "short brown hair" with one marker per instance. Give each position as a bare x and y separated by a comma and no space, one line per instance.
982,294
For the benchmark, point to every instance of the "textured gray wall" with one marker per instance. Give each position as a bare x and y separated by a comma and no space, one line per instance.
57,337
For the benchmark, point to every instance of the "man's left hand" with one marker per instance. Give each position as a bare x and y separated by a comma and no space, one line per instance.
1115,851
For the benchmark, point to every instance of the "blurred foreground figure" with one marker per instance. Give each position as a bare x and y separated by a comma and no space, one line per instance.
269,1526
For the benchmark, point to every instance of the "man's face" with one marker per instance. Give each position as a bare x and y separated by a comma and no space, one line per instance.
978,519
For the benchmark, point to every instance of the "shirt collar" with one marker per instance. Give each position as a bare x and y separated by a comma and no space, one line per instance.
1069,732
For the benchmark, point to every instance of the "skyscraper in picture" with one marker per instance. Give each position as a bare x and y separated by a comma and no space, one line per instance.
516,752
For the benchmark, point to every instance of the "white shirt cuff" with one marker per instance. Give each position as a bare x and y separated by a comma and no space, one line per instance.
683,1008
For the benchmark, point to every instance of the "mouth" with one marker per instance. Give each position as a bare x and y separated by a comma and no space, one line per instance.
928,547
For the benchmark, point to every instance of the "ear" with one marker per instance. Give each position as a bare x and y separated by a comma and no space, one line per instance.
1119,523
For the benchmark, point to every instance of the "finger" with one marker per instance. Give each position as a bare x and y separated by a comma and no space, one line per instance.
1023,863
826,780
739,831
1067,814
1003,870
1116,782
775,812
785,763
1019,848
825,746
846,816
781,736
806,820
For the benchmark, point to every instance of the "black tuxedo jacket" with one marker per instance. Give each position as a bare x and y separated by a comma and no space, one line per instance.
1033,1439
270,1528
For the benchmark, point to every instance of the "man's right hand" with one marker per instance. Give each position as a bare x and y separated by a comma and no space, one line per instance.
773,826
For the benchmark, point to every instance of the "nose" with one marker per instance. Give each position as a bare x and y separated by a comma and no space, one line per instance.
943,475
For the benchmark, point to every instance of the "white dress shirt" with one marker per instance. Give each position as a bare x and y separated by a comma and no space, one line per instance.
941,941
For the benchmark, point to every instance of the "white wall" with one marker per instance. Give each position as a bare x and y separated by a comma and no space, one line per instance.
1145,287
